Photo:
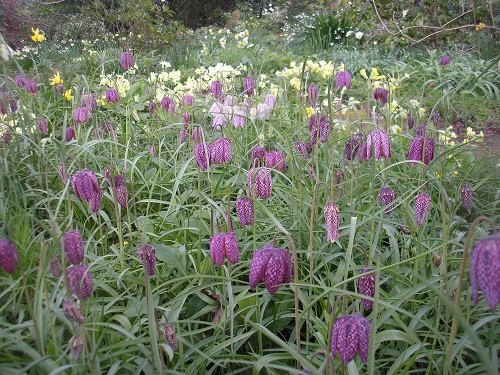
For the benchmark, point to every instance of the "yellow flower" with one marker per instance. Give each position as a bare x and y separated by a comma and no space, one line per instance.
67,95
309,111
37,36
363,73
480,26
56,80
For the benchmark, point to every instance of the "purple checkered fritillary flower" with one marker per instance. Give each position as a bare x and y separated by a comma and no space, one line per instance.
9,256
80,281
332,219
466,193
249,86
86,187
381,95
245,210
276,160
351,336
343,79
220,151
260,182
200,153
73,312
386,196
43,126
81,115
422,205
73,246
421,149
127,60
485,270
147,256
313,93
271,265
216,89
224,245
259,153
112,96
366,287
171,336
378,142
445,60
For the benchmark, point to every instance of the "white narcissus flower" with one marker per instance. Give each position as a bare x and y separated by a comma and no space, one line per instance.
359,35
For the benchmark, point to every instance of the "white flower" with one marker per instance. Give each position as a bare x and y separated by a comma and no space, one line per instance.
359,35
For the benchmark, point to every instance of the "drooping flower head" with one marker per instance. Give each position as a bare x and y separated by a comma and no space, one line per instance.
222,246
325,129
76,346
444,60
31,86
73,312
171,336
127,60
187,100
332,220
80,281
271,265
351,336
422,205
220,151
88,101
112,96
378,142
260,182
43,126
411,121
249,86
73,246
86,187
216,89
386,196
275,159
366,287
304,149
20,80
245,210
343,79
54,266
168,104
466,193
352,146
200,154
259,153
421,149
381,95
485,270
80,115
147,256
270,100
9,257
313,93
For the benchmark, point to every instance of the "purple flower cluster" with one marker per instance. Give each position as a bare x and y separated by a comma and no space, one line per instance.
351,336
9,257
86,187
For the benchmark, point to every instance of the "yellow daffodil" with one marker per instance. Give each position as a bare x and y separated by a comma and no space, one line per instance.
67,95
363,73
56,79
37,36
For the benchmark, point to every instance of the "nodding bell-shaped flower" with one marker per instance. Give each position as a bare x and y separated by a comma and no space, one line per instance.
313,93
73,246
54,266
147,256
271,265
216,89
171,336
259,153
332,220
351,336
224,245
422,205
112,96
304,149
31,86
366,287
260,182
343,79
466,193
421,149
378,141
445,60
127,60
187,100
485,270
276,160
81,115
73,312
352,146
9,257
200,154
411,121
386,196
249,86
86,187
80,281
168,104
245,211
381,95
220,151
88,101
43,126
